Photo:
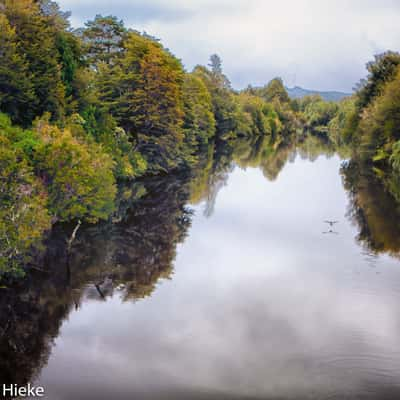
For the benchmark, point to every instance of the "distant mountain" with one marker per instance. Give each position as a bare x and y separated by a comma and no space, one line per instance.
298,92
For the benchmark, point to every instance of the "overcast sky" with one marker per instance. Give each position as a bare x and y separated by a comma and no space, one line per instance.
316,44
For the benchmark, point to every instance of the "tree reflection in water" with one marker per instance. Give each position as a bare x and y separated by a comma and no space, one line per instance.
372,208
128,256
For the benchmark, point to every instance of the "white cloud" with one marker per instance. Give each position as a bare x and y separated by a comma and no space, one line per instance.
312,43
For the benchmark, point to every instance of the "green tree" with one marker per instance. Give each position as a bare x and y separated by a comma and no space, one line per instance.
318,113
225,107
380,71
215,64
103,37
78,175
340,123
23,216
275,90
143,91
379,123
70,60
36,38
16,91
199,121
261,117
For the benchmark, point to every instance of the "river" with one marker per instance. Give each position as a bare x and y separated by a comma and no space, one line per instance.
231,286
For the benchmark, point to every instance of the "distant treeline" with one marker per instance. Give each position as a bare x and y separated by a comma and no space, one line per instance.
83,109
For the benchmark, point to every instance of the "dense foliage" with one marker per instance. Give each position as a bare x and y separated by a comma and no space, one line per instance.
23,215
84,109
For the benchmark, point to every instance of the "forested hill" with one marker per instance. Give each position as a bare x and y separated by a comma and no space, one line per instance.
298,92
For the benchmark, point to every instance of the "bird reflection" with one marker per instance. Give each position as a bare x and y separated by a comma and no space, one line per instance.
332,232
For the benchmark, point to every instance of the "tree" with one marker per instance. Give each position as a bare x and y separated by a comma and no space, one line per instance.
340,123
70,60
143,91
215,64
380,121
23,216
225,107
16,90
261,117
36,35
275,90
199,121
78,176
103,37
58,17
318,113
219,79
380,71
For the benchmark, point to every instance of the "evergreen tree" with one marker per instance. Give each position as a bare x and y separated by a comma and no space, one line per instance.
36,38
215,64
16,91
103,37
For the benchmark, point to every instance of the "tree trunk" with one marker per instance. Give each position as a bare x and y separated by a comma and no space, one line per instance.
73,236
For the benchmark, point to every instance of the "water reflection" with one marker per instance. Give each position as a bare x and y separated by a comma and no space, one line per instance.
125,258
373,209
242,295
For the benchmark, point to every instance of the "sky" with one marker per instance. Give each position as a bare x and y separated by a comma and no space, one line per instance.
316,44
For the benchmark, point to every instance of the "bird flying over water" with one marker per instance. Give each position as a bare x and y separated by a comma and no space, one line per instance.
331,223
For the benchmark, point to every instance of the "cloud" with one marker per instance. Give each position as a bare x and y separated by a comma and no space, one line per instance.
321,45
130,12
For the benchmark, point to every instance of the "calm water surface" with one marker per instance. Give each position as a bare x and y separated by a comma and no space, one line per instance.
247,294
